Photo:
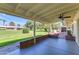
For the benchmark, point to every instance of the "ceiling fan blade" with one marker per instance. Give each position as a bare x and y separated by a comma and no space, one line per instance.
67,17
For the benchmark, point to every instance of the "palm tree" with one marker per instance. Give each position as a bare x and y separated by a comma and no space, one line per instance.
3,21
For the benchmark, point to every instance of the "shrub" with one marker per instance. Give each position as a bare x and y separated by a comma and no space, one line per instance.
2,28
25,30
45,29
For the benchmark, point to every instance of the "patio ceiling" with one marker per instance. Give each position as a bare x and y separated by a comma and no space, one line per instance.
42,12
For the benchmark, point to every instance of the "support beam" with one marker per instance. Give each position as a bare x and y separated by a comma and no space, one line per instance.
63,23
34,31
50,28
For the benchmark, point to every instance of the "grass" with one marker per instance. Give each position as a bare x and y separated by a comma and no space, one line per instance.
12,36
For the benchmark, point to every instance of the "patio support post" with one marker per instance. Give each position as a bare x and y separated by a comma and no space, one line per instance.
50,28
34,31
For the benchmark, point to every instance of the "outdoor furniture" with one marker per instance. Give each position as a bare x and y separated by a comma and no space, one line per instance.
62,35
69,36
53,35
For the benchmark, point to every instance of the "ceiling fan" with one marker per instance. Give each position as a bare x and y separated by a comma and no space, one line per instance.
62,17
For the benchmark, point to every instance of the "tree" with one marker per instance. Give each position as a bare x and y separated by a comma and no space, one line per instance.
12,24
29,24
39,26
18,25
3,21
45,27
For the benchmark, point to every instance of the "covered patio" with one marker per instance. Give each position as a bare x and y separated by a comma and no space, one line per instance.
50,47
46,13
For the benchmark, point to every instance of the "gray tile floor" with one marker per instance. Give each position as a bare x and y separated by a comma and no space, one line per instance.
50,47
7,49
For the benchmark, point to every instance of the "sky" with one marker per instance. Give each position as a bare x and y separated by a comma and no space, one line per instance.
11,18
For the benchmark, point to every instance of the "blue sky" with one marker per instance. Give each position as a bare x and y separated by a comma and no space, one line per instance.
11,18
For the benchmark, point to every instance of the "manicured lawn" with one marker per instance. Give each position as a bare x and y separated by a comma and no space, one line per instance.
11,36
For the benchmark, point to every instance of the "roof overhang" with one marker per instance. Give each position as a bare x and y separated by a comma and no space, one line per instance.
42,12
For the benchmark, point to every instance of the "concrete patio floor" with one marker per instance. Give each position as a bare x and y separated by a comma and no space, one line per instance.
50,47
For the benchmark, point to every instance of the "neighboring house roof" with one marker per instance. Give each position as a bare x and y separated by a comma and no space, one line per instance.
11,26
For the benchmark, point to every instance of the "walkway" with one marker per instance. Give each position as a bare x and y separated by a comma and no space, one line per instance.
50,47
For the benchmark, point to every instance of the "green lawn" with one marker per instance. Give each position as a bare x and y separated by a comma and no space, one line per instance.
11,36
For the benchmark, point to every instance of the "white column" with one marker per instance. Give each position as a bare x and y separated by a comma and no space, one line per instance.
76,27
34,32
50,28
62,23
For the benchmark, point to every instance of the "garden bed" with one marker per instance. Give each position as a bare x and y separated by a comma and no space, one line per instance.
28,43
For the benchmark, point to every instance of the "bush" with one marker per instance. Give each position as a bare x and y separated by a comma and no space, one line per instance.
25,30
45,29
2,28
